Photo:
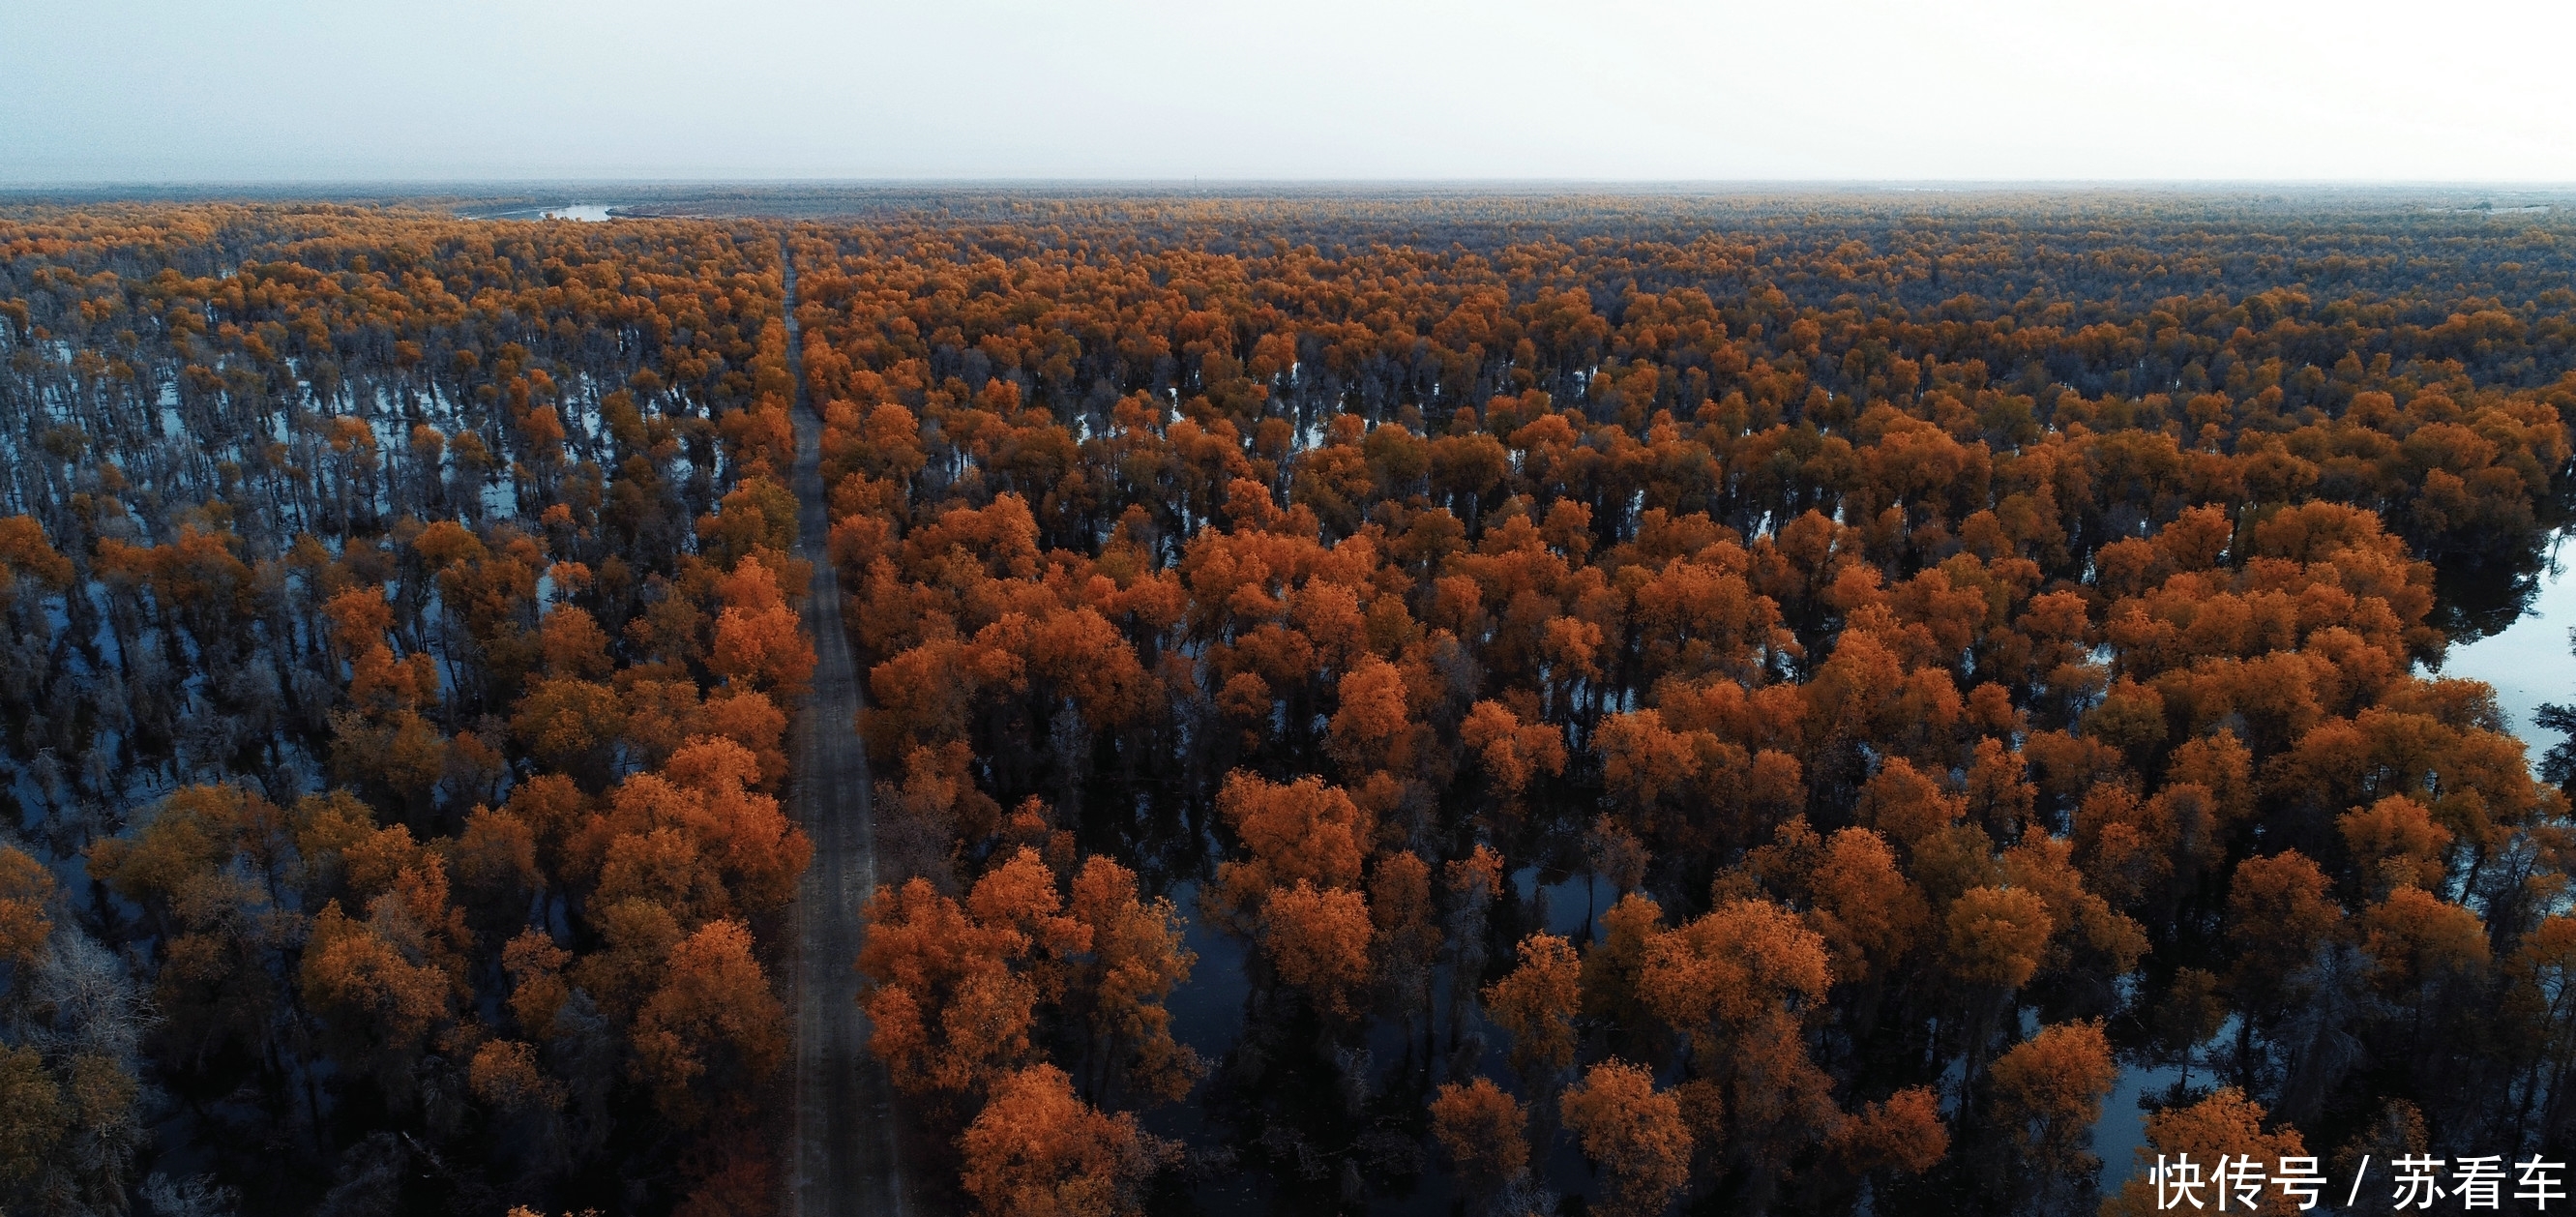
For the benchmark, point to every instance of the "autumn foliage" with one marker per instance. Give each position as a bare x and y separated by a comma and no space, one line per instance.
1780,698
420,716
1903,669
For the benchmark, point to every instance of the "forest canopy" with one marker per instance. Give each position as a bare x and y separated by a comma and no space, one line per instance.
1641,702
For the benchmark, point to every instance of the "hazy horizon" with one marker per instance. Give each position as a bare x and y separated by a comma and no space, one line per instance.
2001,92
1636,185
661,189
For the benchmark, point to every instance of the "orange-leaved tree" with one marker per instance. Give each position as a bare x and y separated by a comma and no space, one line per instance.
1037,1150
1634,1133
1485,1131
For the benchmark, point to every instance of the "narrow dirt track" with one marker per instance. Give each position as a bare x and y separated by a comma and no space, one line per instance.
848,1157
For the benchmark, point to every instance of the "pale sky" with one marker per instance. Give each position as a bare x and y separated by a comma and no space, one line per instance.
263,90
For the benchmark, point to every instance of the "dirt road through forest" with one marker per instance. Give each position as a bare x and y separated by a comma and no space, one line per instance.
847,1157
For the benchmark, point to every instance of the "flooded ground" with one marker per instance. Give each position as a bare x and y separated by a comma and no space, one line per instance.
584,213
2122,1130
1213,1011
2531,660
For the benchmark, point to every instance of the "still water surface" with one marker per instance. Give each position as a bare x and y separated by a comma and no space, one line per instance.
2530,661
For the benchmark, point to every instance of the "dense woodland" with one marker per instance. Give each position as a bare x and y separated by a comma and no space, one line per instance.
1952,651
395,680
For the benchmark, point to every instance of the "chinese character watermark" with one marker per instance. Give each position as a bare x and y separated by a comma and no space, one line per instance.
2472,1183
